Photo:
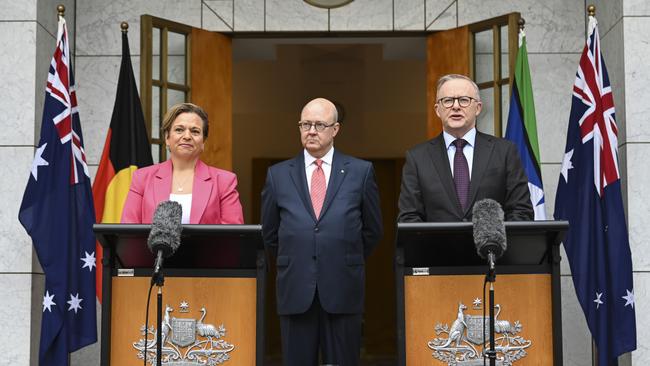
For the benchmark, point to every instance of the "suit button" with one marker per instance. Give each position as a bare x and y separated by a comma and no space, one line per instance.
316,229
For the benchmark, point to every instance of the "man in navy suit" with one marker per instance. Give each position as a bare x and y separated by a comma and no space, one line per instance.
321,219
443,177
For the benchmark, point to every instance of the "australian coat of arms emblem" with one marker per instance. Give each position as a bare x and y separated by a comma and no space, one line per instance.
185,341
468,337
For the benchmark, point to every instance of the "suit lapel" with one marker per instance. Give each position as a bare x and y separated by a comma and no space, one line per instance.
483,147
337,175
438,152
300,181
201,191
162,185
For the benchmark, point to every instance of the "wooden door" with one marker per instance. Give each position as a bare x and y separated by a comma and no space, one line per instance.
447,53
181,63
484,51
211,82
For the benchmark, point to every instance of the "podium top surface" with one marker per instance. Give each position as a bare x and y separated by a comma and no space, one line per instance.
512,227
430,244
202,246
138,229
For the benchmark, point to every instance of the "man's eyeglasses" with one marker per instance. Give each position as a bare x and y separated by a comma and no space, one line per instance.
319,126
463,101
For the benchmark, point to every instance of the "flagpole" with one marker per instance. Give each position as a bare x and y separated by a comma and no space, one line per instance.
60,13
591,13
521,34
60,9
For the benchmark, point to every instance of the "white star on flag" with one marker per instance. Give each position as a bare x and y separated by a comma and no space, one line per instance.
89,261
629,298
567,165
598,301
75,303
47,301
38,161
477,302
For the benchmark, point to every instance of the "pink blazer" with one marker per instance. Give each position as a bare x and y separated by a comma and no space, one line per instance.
215,199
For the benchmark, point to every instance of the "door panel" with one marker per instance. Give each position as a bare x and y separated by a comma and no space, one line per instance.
211,88
447,53
485,51
181,63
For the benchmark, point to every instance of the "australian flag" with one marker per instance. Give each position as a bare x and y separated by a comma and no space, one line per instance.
589,197
57,212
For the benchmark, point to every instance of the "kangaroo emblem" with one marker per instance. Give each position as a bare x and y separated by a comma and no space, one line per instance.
457,330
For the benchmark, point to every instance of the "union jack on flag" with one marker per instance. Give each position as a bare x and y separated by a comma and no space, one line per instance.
57,212
589,197
60,86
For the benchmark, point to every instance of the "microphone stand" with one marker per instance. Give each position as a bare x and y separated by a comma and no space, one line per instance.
491,278
158,279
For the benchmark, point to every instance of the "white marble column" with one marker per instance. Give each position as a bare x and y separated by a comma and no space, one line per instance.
27,32
634,25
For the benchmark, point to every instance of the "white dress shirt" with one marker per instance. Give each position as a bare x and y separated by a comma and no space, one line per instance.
186,203
310,166
468,150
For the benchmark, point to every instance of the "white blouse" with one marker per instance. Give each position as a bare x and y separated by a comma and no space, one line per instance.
186,203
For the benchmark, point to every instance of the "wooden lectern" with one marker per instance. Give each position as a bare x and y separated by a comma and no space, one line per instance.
213,296
441,306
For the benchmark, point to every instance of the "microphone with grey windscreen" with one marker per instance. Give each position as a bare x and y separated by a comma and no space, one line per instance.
489,230
165,235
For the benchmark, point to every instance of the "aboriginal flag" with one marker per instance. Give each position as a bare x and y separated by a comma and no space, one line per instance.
126,149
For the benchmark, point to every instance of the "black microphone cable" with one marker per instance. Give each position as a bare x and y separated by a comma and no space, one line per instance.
146,324
485,281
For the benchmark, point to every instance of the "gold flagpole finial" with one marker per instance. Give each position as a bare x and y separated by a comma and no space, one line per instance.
591,10
124,26
522,23
60,9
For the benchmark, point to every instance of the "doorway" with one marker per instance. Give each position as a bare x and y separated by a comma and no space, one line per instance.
378,83
381,91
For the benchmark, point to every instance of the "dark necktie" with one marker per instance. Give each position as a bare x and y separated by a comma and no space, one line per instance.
461,173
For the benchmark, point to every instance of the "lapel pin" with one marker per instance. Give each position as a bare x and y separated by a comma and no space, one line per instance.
342,171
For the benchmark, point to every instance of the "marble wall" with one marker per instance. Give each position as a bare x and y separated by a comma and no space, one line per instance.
622,24
26,36
20,33
635,51
555,32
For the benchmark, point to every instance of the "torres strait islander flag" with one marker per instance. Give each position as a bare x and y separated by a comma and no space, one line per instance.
522,128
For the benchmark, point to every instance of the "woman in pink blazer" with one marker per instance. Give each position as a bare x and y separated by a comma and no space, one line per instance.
208,195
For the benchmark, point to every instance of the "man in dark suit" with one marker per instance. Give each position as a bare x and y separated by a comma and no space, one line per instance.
443,177
321,218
